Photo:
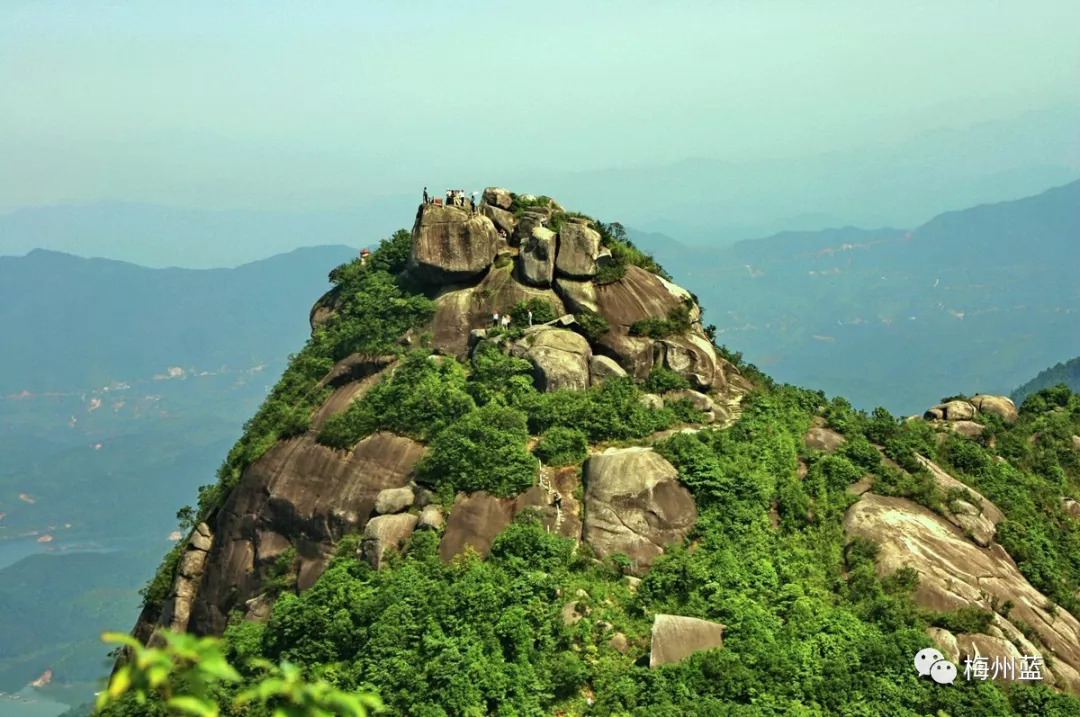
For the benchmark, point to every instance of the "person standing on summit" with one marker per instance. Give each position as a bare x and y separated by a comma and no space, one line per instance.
475,202
425,195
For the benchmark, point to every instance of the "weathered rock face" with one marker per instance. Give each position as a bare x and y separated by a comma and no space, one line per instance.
951,411
176,612
536,262
977,517
823,439
459,311
602,368
674,638
635,504
526,225
451,245
954,572
501,218
498,197
560,359
394,500
578,247
1001,405
302,490
383,533
475,521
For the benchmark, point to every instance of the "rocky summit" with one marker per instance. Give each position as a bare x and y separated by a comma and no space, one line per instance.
511,435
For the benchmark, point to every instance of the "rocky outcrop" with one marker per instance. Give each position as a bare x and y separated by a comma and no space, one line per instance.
823,439
451,245
999,405
460,311
303,490
674,638
475,520
536,261
954,573
635,504
951,411
498,197
526,225
502,219
601,368
176,611
976,516
383,533
578,247
560,359
394,500
431,517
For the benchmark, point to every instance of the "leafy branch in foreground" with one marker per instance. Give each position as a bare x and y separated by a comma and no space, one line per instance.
187,674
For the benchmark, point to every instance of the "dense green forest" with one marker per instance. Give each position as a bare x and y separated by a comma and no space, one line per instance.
1067,373
811,628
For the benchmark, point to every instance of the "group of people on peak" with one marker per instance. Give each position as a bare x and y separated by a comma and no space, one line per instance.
455,198
505,319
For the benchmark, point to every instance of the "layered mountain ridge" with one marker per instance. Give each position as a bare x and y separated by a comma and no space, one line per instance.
420,422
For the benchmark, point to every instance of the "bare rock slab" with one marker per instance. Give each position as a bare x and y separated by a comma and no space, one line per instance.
674,638
635,504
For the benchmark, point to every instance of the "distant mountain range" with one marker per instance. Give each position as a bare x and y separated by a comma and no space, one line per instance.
979,300
77,323
1067,372
121,387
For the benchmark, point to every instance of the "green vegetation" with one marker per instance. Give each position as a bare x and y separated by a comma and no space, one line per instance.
593,324
542,311
1067,373
677,322
562,446
485,450
420,397
520,202
623,253
662,380
190,675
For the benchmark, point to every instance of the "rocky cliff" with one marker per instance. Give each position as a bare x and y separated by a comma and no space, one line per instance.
600,316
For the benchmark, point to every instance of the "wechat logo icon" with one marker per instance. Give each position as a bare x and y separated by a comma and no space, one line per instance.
931,662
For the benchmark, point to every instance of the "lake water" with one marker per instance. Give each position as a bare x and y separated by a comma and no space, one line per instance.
28,702
15,549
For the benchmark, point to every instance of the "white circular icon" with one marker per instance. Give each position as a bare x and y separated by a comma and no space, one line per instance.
925,659
943,672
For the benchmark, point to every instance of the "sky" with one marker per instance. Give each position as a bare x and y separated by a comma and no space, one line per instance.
307,106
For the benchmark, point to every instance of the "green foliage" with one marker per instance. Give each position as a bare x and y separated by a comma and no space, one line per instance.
562,446
611,411
964,619
485,450
662,380
593,324
190,675
499,377
677,322
683,410
422,395
542,311
157,588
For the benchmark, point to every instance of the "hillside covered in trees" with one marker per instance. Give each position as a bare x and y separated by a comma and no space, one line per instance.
593,509
1067,373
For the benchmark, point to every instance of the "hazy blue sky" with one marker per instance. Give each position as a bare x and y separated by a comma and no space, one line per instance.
309,105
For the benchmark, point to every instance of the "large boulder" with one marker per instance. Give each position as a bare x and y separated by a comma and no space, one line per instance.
560,359
954,572
578,247
601,368
383,533
526,225
394,500
635,504
501,218
498,197
823,439
951,411
475,521
451,245
693,357
303,490
536,261
1001,405
674,638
